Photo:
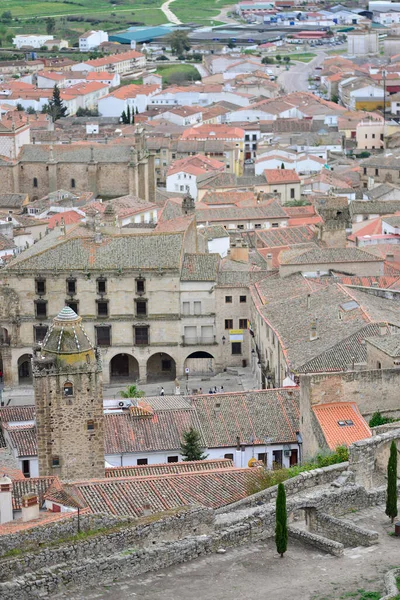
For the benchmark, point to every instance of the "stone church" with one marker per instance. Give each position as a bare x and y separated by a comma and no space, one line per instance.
108,170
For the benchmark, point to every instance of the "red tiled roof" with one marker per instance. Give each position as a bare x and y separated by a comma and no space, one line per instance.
380,282
23,439
162,431
131,91
37,485
216,132
195,165
329,415
69,217
129,496
276,176
17,413
169,468
115,58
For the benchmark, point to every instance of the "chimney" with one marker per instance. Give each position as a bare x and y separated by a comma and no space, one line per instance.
240,252
390,256
314,330
6,509
269,262
146,510
30,507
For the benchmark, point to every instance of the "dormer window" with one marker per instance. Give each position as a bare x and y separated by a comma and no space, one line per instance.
68,389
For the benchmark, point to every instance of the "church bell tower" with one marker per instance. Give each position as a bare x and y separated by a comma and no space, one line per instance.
69,401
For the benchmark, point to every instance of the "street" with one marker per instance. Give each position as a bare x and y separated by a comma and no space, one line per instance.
296,79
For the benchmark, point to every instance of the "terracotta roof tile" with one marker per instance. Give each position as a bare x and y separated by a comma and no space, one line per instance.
276,176
169,468
329,416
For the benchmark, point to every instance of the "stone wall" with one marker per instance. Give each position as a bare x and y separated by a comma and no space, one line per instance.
368,458
143,533
342,531
317,541
304,481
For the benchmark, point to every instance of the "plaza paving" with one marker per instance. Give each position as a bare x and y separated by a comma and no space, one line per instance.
255,572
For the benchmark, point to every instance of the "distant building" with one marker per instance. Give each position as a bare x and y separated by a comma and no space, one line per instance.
361,43
92,39
37,41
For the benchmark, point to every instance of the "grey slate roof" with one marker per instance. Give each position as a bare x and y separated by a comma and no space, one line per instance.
374,208
131,251
326,255
213,232
272,210
380,190
390,344
200,267
393,221
11,200
290,313
76,153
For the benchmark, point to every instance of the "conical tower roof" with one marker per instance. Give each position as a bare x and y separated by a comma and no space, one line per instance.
67,338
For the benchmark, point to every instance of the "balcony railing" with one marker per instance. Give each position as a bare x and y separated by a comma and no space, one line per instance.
198,340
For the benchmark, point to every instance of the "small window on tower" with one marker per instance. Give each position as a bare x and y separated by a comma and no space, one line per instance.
68,389
90,425
55,461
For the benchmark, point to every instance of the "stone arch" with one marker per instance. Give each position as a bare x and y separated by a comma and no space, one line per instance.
200,363
124,368
24,369
161,367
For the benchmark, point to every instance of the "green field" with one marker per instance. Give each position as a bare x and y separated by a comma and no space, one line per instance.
301,57
178,73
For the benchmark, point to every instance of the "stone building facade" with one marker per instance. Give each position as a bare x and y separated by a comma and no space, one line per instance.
151,302
69,401
106,170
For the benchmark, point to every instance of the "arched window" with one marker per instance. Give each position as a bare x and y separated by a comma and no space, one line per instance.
72,183
35,182
68,389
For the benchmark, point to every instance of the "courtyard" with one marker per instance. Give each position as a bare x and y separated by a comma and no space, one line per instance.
256,572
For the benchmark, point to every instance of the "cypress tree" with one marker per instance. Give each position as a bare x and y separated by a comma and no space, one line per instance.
137,112
281,531
123,117
191,446
128,115
391,494
56,105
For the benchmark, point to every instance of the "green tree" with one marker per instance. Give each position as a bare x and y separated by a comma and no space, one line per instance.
123,117
278,57
179,42
231,44
128,114
3,33
132,392
137,111
56,105
30,110
391,493
335,98
6,16
286,59
267,60
191,446
282,165
50,25
19,107
281,531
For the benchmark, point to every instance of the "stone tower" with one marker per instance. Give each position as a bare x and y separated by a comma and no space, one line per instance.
69,401
188,205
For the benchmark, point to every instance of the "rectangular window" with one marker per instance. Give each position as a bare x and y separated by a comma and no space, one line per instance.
40,285
41,309
373,136
376,172
228,456
292,193
240,226
364,170
140,286
71,286
141,461
102,308
236,347
242,299
228,299
141,336
101,286
103,335
275,224
172,459
242,323
55,461
141,308
263,457
228,323
197,308
90,425
74,306
186,308
26,470
39,333
257,226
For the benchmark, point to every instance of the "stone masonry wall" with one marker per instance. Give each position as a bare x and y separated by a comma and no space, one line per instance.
317,541
142,534
368,458
342,531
